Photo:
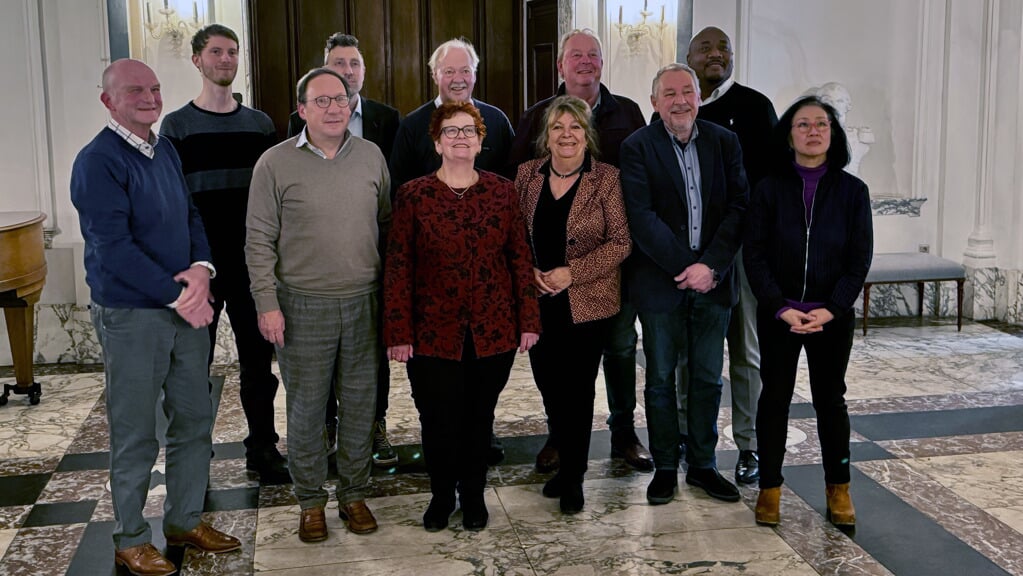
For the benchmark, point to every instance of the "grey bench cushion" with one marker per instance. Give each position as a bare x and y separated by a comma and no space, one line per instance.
913,267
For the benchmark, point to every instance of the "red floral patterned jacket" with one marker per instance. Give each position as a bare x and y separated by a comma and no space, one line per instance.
456,264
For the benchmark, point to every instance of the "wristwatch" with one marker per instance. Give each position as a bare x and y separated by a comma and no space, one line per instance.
717,277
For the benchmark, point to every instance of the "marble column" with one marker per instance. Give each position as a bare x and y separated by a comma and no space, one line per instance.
979,257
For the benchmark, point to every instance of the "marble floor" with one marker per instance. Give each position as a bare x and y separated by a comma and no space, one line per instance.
937,419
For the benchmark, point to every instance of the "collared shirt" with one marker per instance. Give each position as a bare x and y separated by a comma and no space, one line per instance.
146,147
355,121
720,90
438,102
689,164
303,140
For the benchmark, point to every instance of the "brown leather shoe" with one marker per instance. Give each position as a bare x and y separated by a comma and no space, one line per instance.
205,538
840,507
358,517
312,527
548,459
627,446
144,560
768,504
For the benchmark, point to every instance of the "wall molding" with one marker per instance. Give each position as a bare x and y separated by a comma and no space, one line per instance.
38,111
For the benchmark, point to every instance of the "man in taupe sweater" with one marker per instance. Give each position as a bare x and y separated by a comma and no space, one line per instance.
319,207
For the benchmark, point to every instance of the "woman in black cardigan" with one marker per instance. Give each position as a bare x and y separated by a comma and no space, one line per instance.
807,250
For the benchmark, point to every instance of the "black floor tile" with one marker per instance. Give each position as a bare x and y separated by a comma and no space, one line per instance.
905,540
58,513
22,490
232,499
90,461
228,451
902,425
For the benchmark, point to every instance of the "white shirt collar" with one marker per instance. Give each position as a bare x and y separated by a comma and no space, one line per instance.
147,148
720,90
303,141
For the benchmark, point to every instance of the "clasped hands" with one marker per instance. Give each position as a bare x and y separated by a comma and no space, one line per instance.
554,281
194,303
698,277
807,322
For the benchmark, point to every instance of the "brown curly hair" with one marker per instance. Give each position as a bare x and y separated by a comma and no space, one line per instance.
449,109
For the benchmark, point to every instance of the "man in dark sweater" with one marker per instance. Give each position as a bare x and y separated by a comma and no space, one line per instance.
219,141
453,65
580,63
148,267
750,115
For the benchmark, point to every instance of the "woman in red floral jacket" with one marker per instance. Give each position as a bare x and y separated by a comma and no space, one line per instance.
458,301
579,235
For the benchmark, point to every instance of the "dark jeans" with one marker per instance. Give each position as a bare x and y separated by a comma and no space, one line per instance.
620,369
691,336
456,401
565,363
827,357
258,384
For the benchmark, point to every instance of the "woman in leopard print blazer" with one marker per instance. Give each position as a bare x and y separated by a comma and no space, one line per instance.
579,235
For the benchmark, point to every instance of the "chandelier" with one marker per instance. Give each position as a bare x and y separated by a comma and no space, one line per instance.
172,26
636,36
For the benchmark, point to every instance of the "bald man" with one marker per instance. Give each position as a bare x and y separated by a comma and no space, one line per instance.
750,115
148,266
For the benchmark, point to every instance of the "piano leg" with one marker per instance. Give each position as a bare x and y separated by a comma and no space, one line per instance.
20,328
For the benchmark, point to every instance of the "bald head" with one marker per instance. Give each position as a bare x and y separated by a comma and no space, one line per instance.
131,92
710,55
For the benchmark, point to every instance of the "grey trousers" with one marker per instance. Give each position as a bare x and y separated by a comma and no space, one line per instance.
743,366
324,336
146,352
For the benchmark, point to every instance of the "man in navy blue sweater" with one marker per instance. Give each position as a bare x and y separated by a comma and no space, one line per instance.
147,265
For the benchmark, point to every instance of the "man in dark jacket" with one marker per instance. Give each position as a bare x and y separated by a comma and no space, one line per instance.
685,193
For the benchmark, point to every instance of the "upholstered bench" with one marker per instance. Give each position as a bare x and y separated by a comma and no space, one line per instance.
916,267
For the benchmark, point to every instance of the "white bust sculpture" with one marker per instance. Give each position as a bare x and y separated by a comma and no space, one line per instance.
860,137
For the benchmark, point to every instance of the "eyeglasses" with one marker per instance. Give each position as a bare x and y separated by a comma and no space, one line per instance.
324,101
820,125
453,131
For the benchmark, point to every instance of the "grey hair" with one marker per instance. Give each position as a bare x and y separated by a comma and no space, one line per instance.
674,67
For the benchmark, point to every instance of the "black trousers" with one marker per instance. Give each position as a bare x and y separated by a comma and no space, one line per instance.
259,386
827,357
456,401
565,363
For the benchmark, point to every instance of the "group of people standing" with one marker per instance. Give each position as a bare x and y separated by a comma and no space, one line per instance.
448,241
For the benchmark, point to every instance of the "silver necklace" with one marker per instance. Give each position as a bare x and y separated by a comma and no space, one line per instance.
568,174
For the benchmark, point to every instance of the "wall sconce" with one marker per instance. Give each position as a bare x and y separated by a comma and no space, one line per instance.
635,34
172,26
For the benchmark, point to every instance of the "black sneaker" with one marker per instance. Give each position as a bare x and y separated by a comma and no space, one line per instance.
747,468
383,453
662,488
269,464
713,483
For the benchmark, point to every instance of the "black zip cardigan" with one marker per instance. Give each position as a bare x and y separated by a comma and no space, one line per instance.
825,259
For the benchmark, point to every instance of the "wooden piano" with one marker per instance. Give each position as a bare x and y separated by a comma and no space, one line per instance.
22,275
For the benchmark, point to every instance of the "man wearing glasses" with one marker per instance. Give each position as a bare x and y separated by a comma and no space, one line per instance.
319,207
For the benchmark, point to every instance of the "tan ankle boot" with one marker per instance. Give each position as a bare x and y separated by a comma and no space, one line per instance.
768,503
840,507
